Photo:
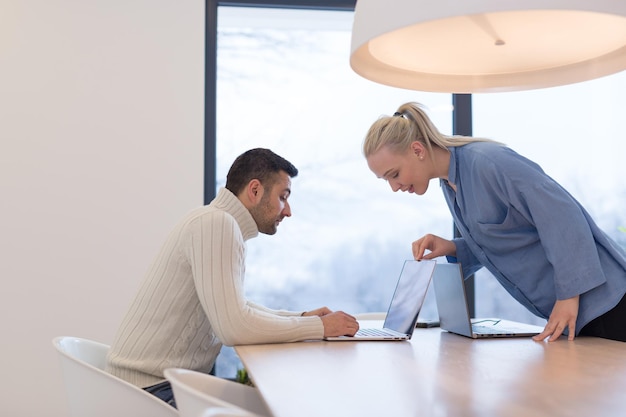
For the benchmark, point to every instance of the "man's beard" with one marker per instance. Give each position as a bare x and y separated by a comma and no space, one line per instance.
266,223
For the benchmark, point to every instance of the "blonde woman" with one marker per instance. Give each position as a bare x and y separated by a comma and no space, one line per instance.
527,230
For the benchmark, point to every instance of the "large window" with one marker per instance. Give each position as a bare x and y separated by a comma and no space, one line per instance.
284,83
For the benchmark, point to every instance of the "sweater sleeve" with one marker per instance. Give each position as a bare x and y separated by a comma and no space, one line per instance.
217,257
260,307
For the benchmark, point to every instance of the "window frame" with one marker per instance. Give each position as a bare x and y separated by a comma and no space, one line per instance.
210,74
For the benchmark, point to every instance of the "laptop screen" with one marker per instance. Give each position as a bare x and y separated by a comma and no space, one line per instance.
409,295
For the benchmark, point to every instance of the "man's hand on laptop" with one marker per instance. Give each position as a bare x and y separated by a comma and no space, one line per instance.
563,317
318,312
339,323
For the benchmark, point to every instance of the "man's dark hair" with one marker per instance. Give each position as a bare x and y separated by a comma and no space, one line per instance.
261,164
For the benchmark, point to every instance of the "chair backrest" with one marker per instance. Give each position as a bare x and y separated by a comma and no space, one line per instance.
92,392
202,395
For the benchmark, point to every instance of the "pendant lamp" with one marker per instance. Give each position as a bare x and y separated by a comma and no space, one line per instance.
482,46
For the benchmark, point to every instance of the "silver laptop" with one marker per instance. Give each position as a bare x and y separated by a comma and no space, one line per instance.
454,312
405,305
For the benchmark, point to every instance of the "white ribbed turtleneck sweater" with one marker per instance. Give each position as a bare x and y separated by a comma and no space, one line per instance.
192,300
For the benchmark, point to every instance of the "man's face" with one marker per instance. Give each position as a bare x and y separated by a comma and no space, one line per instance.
273,206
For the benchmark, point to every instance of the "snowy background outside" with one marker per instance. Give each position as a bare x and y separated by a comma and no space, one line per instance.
284,82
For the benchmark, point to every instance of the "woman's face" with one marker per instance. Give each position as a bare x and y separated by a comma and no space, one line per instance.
408,171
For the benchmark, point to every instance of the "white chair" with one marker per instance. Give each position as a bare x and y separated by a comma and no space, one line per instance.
202,395
92,392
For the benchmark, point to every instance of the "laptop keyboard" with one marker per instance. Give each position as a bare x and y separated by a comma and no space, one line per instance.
372,332
477,328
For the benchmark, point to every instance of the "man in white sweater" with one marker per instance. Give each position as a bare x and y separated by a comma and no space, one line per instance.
192,299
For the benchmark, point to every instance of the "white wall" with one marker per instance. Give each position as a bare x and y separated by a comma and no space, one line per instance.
101,141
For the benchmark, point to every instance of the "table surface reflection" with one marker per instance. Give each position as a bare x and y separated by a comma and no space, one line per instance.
441,374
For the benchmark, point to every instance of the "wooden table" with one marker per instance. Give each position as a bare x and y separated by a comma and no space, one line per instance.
441,374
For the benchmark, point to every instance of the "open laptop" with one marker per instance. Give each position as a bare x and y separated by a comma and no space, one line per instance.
454,312
405,305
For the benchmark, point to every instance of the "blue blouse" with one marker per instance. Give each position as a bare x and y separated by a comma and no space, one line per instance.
530,233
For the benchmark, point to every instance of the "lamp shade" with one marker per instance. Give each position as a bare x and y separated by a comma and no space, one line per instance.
474,46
